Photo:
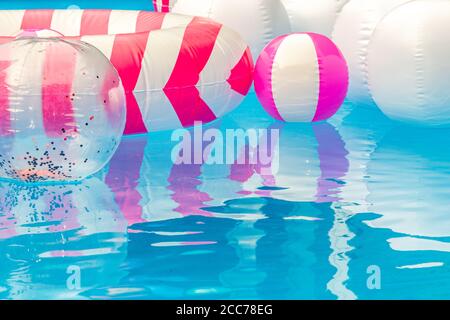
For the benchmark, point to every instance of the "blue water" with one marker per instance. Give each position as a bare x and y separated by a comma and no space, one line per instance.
85,4
354,208
356,194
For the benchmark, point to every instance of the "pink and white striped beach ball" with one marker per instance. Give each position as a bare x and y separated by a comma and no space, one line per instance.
62,110
301,77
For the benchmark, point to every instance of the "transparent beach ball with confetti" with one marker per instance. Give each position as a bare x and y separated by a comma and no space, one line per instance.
62,110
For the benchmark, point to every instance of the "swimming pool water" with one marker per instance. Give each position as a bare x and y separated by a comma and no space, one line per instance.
85,4
358,208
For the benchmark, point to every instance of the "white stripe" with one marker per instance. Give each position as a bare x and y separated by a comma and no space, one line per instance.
67,22
295,78
11,22
122,21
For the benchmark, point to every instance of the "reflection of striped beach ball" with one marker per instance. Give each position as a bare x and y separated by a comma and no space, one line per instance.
301,77
62,110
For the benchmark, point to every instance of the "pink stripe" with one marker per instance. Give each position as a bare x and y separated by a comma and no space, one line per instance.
127,54
37,19
333,77
57,95
5,115
242,74
263,77
148,21
94,22
198,43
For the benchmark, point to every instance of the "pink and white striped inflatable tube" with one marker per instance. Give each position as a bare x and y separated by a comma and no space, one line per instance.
163,5
176,69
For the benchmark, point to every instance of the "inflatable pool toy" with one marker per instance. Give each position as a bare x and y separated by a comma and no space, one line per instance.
163,5
352,32
258,22
301,77
318,16
176,70
38,33
62,110
412,85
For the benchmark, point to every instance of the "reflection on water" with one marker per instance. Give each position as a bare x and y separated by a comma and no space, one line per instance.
336,199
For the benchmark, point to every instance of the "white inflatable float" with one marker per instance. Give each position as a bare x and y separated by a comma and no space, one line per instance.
409,66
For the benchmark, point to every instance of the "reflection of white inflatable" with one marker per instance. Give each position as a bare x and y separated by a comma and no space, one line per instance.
409,65
352,32
316,16
258,22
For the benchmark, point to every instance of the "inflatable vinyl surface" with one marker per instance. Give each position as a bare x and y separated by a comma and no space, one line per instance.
176,69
